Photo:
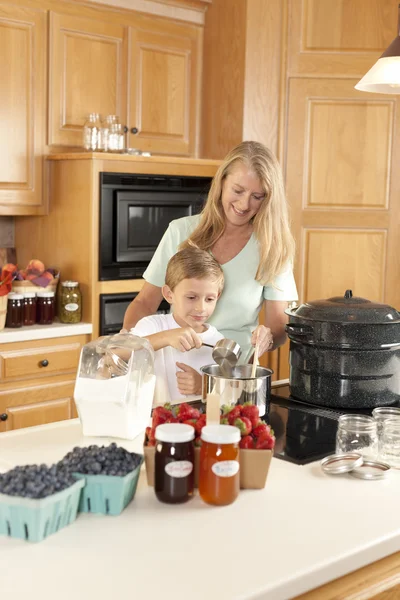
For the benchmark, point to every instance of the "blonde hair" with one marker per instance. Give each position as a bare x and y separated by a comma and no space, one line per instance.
193,263
270,224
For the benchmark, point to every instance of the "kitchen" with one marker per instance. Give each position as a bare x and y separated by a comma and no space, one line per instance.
299,100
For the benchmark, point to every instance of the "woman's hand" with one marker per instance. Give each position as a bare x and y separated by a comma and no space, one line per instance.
264,337
183,339
188,380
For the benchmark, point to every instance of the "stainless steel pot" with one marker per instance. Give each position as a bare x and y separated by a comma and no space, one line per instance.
239,388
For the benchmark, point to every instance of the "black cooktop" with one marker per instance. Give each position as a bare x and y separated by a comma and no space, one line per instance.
304,432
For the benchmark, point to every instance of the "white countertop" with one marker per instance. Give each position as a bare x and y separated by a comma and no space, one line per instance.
303,530
43,332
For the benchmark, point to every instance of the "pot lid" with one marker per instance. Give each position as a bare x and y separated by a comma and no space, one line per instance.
347,309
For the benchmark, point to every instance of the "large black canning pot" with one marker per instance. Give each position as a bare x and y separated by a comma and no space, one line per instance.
345,352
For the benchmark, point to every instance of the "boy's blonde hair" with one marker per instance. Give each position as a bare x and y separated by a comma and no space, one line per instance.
193,263
270,224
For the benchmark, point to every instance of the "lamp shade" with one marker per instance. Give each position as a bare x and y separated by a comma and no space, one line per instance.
384,76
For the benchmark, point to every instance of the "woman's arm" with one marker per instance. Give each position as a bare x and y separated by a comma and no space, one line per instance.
276,319
146,303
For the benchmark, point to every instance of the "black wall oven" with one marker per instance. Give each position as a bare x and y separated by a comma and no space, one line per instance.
135,211
112,311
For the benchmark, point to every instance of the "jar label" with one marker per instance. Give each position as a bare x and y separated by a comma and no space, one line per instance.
225,468
179,468
71,307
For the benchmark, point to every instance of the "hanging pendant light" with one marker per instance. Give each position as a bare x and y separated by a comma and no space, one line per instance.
384,76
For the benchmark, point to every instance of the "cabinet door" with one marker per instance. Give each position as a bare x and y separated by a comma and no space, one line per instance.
36,405
87,74
22,106
163,91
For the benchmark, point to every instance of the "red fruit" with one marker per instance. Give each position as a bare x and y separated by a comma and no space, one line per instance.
261,429
265,442
197,441
151,443
251,412
200,423
191,422
233,414
183,408
172,419
244,424
148,432
246,442
160,415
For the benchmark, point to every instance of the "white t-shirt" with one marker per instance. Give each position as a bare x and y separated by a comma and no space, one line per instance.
165,359
236,313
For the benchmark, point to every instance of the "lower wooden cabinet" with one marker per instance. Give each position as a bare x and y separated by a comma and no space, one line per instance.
37,381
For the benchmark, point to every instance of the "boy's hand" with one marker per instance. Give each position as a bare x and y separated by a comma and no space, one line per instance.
188,380
264,337
184,339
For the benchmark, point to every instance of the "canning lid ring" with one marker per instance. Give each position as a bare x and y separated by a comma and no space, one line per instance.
380,470
336,464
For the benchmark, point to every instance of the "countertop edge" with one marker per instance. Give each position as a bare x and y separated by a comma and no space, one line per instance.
43,332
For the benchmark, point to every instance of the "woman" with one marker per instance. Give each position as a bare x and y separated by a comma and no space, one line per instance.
245,225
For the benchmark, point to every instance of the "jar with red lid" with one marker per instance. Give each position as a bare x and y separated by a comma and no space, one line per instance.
45,308
29,308
174,462
15,314
219,480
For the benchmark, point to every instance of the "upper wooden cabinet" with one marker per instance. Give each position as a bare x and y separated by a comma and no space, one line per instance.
22,109
90,68
87,74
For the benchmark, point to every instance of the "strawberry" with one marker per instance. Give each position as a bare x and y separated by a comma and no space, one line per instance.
160,415
147,433
151,443
199,424
191,422
265,442
172,419
262,428
246,442
197,441
251,412
244,424
233,414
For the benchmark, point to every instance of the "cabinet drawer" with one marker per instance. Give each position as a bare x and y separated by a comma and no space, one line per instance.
27,363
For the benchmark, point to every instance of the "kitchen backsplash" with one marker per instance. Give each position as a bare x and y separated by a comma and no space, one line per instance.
6,232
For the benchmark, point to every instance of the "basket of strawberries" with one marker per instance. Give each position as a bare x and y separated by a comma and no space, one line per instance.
256,444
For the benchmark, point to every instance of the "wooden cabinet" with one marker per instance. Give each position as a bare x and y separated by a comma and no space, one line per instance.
37,380
22,109
90,69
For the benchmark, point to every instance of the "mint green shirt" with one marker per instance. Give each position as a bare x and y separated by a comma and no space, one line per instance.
236,313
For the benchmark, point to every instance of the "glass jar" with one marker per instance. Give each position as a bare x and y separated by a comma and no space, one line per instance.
219,481
15,310
357,433
381,413
45,308
92,133
174,462
389,442
70,302
29,308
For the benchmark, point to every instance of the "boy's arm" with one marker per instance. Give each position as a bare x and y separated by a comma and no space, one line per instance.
159,340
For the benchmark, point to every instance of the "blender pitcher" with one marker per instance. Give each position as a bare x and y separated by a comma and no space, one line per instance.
114,387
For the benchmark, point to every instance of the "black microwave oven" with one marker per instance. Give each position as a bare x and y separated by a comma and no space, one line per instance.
135,211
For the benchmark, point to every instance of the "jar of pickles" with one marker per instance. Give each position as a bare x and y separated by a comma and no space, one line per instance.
15,316
219,481
45,308
70,302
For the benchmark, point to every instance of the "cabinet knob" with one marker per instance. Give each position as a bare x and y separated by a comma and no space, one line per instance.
134,130
44,363
125,129
4,417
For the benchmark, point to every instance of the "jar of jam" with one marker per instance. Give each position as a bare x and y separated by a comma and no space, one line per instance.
174,462
70,302
15,311
29,308
219,464
45,308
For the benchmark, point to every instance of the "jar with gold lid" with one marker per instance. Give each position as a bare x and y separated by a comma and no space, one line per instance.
70,302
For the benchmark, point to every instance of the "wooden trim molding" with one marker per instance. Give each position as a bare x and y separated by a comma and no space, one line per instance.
192,11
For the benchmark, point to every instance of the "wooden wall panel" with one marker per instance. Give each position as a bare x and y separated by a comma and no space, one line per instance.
338,259
344,138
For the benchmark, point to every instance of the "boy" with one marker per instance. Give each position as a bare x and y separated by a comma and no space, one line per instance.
193,283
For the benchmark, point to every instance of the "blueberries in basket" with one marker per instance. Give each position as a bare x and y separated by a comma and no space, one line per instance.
100,460
34,481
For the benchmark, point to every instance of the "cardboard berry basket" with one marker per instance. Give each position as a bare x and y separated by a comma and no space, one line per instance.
25,287
254,467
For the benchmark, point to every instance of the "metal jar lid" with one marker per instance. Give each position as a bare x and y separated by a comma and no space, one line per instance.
336,464
371,469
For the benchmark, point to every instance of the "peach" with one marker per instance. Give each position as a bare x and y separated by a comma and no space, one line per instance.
35,265
47,275
31,277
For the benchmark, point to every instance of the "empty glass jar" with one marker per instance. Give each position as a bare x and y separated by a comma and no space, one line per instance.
382,413
112,135
389,442
357,433
92,133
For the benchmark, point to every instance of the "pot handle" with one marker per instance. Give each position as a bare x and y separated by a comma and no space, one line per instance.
298,329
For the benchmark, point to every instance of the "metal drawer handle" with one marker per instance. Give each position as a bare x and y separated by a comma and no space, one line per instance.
43,363
4,417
